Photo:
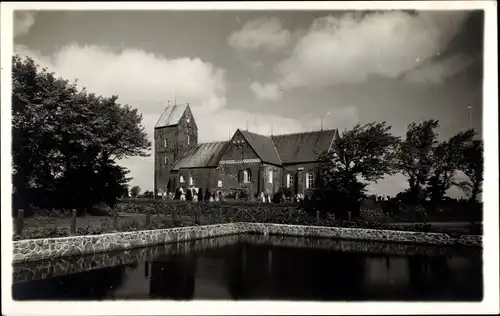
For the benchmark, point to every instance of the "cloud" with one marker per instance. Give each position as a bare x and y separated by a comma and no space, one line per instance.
257,64
349,48
266,33
220,125
23,21
268,91
146,81
437,72
340,117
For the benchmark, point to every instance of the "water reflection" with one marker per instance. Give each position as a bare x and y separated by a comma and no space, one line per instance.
258,271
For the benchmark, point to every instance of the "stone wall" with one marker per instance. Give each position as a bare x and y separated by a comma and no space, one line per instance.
37,249
39,270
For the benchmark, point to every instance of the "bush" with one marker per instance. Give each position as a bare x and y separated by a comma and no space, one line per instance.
287,192
374,215
49,232
89,230
101,209
189,195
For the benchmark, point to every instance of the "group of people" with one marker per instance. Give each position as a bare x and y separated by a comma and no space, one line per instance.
196,195
193,194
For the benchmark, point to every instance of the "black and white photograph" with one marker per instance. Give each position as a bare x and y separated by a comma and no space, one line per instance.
282,153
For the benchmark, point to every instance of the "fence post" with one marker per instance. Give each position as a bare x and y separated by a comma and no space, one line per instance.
148,219
317,217
20,222
73,222
115,219
174,215
196,216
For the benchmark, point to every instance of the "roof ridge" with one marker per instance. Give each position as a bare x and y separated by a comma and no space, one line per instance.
308,132
214,142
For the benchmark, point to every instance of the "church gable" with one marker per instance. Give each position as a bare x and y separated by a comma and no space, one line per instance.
238,149
187,118
263,147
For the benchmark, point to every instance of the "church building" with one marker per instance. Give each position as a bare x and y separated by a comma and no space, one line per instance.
248,160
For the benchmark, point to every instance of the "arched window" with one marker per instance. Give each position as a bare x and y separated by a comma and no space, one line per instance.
247,176
165,142
166,160
309,180
181,179
270,176
289,180
219,184
191,181
187,139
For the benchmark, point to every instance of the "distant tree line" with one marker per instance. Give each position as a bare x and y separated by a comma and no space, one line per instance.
66,141
369,152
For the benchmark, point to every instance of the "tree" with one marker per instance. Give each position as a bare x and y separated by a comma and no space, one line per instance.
414,156
446,158
364,152
472,164
66,142
135,191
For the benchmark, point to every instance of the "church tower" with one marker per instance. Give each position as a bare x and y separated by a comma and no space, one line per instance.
175,133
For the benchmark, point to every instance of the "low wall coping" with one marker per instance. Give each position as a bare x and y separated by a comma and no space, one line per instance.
38,249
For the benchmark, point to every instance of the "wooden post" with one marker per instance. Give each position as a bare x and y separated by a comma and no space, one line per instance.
317,217
73,222
148,220
196,216
174,216
20,222
115,219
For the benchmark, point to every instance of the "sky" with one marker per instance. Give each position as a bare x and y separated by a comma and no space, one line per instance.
288,69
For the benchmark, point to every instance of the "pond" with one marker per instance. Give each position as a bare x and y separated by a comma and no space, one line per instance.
254,267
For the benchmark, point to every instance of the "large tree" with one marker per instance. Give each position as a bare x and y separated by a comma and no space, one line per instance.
472,164
65,140
363,153
446,159
135,191
414,155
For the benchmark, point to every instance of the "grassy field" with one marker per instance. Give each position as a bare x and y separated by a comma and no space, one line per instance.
132,217
38,226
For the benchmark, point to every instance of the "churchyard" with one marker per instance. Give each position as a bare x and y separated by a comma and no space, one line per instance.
143,214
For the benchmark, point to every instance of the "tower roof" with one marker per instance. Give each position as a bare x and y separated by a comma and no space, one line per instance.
171,115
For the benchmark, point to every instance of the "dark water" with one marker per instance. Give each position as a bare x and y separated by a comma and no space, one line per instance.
253,271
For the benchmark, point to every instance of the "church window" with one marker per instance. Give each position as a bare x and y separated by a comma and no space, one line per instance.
289,180
240,176
310,180
165,142
270,176
181,179
247,176
187,139
219,184
191,181
166,160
